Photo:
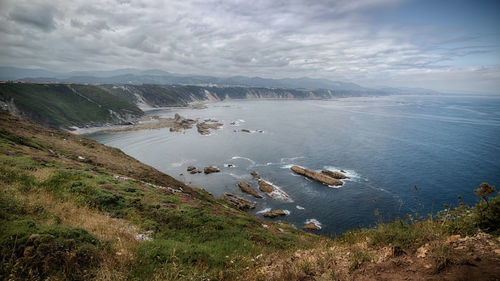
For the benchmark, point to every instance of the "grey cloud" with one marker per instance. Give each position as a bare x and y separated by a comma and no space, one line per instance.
39,16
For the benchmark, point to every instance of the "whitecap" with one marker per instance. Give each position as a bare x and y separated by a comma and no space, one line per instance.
244,158
278,193
266,210
286,212
299,207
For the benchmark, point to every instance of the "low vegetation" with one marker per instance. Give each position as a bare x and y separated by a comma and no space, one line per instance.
73,209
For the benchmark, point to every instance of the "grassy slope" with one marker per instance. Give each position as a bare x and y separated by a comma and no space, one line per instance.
59,106
55,206
65,217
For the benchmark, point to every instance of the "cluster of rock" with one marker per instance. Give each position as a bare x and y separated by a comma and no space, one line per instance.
326,176
181,123
205,126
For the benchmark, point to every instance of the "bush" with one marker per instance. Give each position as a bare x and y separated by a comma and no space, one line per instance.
31,251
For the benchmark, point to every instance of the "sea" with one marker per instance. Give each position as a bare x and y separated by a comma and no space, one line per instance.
404,154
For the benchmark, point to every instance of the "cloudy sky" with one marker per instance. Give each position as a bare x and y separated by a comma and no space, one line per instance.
449,45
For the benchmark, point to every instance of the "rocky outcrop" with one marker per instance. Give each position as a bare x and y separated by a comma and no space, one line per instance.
211,169
245,187
320,177
237,201
273,191
335,175
245,131
266,187
312,226
181,123
275,213
192,170
255,175
204,127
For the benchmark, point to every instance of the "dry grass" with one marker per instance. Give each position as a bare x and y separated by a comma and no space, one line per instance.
119,233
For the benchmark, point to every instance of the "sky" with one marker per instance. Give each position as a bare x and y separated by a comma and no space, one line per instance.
445,45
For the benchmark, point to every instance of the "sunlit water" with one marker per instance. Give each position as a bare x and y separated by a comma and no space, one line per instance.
445,145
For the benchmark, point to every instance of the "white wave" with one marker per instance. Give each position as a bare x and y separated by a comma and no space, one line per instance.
286,212
315,221
244,158
353,176
287,160
181,163
287,166
241,121
299,207
238,176
266,210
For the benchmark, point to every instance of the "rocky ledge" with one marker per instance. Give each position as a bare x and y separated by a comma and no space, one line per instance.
275,213
211,169
335,175
320,177
245,187
273,192
237,201
312,226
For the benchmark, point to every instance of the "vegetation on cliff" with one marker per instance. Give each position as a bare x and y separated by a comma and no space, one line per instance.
73,209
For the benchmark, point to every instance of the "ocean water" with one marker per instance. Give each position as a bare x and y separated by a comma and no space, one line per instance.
444,145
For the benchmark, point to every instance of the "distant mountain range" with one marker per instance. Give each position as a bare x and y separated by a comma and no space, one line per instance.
132,76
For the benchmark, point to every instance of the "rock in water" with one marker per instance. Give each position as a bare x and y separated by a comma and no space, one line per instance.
245,131
265,186
320,177
311,226
245,187
274,213
237,201
211,169
335,175
255,175
191,168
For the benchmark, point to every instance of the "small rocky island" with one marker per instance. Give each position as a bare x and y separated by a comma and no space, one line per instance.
246,188
326,176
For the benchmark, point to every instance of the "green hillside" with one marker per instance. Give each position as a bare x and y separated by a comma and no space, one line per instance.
62,106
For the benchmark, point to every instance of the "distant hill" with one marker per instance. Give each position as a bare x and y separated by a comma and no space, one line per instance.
132,76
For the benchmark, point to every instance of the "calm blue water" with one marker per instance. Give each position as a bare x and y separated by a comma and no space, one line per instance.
445,145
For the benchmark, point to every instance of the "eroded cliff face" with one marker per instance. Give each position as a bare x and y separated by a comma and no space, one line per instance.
151,96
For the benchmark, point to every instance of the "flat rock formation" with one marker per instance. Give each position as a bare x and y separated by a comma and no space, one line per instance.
255,175
335,175
312,226
237,201
245,131
205,126
273,192
211,169
245,187
275,213
320,177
